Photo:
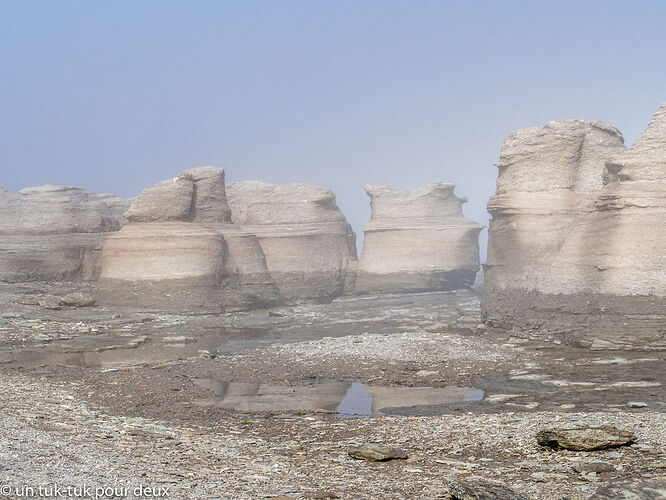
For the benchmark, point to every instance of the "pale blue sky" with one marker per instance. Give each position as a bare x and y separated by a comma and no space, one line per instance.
117,95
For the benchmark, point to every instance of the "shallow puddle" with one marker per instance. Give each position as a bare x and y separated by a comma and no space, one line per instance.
344,399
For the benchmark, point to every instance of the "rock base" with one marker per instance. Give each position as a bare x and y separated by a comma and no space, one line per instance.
406,282
594,321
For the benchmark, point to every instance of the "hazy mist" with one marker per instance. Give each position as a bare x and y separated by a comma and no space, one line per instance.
116,96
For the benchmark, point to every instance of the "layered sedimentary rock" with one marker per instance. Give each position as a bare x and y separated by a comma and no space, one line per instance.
577,244
51,233
309,246
181,252
417,240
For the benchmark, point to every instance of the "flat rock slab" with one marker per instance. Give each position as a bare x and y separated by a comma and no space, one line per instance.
596,466
78,299
377,452
50,302
632,491
585,438
477,489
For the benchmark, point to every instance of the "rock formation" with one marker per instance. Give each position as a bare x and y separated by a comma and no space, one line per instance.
52,233
577,244
417,240
180,252
309,246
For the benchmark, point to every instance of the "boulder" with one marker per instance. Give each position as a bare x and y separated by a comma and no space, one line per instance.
417,240
585,438
576,241
310,248
181,253
52,233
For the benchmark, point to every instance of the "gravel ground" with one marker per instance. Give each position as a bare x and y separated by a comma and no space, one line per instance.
90,397
50,436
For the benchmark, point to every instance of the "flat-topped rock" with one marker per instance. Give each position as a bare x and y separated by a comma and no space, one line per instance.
475,488
561,155
52,233
209,197
181,252
585,438
309,246
576,241
432,201
417,240
56,210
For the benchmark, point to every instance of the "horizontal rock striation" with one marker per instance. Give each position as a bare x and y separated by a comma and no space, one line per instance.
309,246
180,252
577,244
417,240
55,233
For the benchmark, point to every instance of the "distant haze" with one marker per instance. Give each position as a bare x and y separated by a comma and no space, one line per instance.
116,96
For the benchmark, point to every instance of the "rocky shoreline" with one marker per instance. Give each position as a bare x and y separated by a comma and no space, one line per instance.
135,413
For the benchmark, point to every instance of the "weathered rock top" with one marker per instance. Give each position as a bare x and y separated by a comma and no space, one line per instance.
646,159
210,200
576,240
261,203
561,155
195,195
435,200
58,209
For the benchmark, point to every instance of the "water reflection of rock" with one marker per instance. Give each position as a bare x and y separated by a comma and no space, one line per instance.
348,399
252,397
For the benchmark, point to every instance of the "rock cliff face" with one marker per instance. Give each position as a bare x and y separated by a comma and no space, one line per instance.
577,244
51,233
181,252
309,246
417,240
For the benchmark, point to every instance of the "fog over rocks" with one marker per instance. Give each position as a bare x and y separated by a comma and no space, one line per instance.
577,246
